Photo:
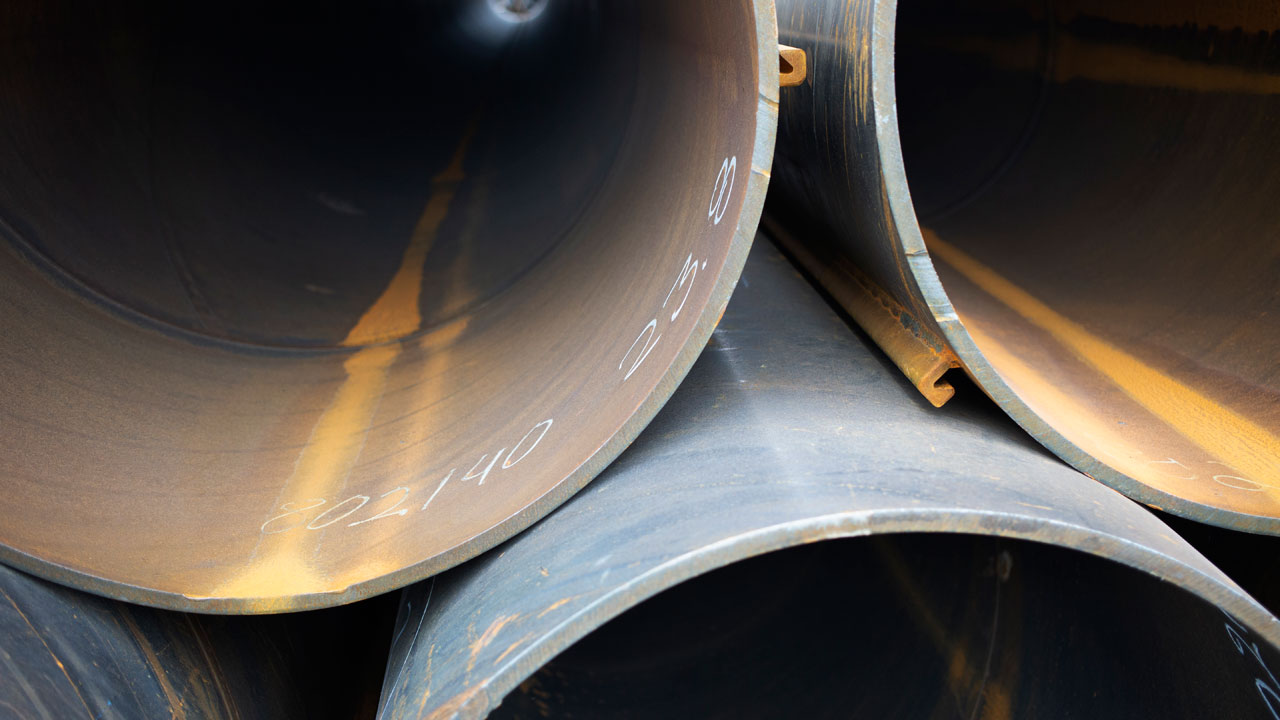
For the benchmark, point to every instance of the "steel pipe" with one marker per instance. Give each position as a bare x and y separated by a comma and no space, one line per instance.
911,626
65,654
998,583
300,303
1072,200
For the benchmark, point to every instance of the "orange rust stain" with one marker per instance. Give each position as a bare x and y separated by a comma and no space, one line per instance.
556,605
211,673
997,704
1218,430
487,637
512,647
967,682
74,688
858,82
395,313
1082,426
960,670
720,317
283,562
994,698
175,700
283,565
426,694
455,704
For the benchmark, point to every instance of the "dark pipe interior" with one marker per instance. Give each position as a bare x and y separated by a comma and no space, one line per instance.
1116,162
254,171
910,626
274,273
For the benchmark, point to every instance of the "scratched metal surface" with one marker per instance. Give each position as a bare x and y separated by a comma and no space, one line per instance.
304,302
66,654
1076,199
789,430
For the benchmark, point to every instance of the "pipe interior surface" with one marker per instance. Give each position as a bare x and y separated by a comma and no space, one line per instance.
284,282
912,626
1096,184
68,654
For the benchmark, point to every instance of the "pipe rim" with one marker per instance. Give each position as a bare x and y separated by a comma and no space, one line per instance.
914,255
480,698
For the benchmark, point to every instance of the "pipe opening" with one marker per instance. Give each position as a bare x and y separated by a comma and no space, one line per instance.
912,626
267,261
1096,185
267,174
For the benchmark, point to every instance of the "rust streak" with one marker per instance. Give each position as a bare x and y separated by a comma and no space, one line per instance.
53,655
1208,424
487,637
284,564
963,675
523,639
455,704
558,604
215,673
176,708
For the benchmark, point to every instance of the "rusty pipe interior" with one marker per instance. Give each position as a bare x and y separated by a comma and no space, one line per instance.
1096,185
299,298
912,626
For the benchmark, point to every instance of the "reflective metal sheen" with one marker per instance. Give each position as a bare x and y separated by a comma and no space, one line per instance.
65,654
1073,200
303,302
1000,582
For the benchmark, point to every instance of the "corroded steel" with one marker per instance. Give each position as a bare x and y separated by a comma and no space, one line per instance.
1003,583
302,302
793,66
1076,202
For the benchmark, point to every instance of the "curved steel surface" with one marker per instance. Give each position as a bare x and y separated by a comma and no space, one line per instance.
302,303
792,429
910,626
64,654
1073,200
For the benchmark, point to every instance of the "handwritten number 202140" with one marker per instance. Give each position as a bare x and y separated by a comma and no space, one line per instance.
294,515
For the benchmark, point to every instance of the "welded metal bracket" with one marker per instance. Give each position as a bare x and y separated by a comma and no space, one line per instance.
922,356
793,66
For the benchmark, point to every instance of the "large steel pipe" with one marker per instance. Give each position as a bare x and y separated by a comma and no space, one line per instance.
1074,201
65,654
69,654
301,302
912,626
1001,583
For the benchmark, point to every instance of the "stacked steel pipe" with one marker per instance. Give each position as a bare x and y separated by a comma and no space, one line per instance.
301,305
